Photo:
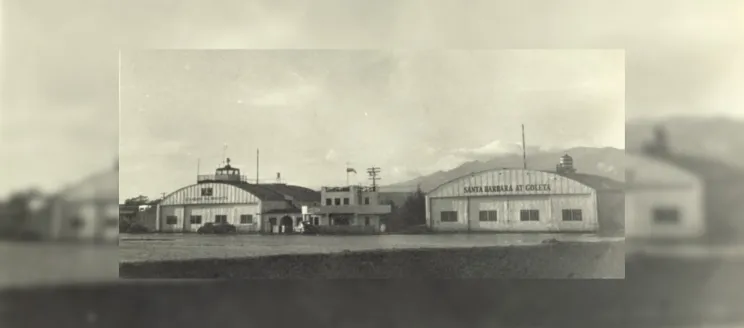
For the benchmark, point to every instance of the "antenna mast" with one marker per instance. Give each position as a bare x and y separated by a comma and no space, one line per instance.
524,150
224,151
373,175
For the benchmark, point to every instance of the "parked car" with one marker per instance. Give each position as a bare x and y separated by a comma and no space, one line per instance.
217,228
309,229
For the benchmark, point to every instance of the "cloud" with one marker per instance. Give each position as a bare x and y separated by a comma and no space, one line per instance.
331,155
496,147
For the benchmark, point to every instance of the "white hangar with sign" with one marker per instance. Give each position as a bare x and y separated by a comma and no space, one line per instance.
513,200
228,197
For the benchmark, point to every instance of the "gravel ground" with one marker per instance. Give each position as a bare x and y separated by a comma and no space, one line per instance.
157,247
559,260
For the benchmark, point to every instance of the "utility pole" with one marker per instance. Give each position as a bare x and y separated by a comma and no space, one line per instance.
373,175
524,149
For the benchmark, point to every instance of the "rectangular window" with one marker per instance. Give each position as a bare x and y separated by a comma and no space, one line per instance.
206,191
571,215
171,219
366,220
448,216
485,216
77,223
346,201
529,215
337,201
366,200
317,221
666,216
246,219
341,221
329,202
196,219
220,218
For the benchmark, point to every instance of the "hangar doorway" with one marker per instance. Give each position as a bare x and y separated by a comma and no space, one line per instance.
287,225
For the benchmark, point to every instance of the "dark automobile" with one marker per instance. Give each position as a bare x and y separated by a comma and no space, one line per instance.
309,229
216,228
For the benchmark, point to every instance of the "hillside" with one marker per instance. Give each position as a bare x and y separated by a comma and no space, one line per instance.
716,138
607,162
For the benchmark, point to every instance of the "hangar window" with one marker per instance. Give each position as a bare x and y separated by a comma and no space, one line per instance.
77,223
341,221
196,219
338,201
171,219
448,216
346,201
571,215
366,200
329,202
666,216
529,215
206,191
488,215
246,219
220,218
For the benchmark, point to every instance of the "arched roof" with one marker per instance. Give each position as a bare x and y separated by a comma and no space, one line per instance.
223,193
542,182
261,192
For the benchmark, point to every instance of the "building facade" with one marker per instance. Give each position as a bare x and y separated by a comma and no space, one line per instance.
685,197
350,208
521,200
662,200
85,211
227,197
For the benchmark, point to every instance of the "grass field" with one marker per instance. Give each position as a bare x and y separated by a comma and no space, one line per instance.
545,261
158,247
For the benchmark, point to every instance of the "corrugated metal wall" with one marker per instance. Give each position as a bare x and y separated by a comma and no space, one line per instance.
483,191
657,185
208,214
221,194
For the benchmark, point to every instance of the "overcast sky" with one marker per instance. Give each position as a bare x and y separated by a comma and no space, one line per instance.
58,119
408,112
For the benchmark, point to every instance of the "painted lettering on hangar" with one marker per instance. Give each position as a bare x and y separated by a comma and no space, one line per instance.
506,188
206,198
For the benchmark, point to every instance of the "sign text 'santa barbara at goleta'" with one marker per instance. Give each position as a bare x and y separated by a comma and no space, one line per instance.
507,188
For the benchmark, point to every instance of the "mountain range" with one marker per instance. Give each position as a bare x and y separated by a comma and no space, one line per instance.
715,138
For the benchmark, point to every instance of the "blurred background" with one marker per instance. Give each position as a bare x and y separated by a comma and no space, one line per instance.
684,108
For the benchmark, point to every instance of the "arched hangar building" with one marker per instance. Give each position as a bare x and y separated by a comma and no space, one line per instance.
227,197
513,200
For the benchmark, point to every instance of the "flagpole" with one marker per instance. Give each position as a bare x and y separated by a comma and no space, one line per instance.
347,174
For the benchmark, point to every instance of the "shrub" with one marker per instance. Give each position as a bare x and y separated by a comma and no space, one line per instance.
137,228
124,225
